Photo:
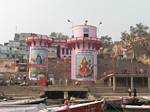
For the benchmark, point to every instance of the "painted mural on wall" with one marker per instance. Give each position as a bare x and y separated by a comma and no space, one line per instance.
38,63
38,55
84,65
37,73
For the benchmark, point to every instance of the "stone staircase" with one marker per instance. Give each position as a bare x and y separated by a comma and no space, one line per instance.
99,88
21,91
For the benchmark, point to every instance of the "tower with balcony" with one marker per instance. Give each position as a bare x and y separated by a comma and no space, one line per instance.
84,45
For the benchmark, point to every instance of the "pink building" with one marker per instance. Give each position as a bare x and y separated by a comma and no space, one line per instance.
84,46
38,58
62,48
82,49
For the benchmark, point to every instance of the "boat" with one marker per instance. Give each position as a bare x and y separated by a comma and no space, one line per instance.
4,97
19,108
93,106
116,102
137,105
23,101
136,108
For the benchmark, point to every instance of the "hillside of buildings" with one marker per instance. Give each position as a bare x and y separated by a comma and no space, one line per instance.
129,55
106,66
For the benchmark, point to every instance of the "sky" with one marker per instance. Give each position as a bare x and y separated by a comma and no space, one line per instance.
46,16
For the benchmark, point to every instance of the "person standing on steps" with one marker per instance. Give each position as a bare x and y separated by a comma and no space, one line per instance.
66,101
129,91
134,92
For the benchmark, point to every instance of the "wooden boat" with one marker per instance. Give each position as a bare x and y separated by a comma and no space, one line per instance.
4,97
93,106
136,108
23,102
116,102
137,105
18,108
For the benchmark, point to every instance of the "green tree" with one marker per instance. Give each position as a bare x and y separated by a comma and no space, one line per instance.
107,41
125,39
140,30
58,35
132,40
53,34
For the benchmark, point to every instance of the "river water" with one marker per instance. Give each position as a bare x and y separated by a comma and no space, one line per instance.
112,110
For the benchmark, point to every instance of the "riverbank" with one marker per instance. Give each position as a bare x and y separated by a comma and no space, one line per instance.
27,91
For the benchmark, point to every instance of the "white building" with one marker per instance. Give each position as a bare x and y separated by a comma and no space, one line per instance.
4,51
52,52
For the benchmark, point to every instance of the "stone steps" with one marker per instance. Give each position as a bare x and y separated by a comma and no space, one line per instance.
20,90
112,94
99,88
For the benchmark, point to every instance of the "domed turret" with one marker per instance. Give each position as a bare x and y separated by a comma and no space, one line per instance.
84,45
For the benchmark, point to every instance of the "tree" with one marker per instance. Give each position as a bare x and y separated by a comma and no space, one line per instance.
140,30
53,34
126,39
107,41
58,35
132,40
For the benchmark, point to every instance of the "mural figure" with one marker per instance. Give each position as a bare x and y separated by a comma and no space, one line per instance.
85,67
38,59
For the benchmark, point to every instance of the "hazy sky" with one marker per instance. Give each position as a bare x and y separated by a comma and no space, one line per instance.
45,16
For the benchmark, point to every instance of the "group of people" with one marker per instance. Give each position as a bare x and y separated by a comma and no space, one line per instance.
69,100
134,92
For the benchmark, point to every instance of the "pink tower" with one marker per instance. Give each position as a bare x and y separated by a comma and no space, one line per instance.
38,58
84,46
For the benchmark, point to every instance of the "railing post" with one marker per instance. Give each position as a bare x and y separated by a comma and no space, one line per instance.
148,83
109,82
114,83
132,82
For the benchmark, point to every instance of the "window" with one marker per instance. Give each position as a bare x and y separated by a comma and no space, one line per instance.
67,51
63,50
86,32
86,35
78,45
